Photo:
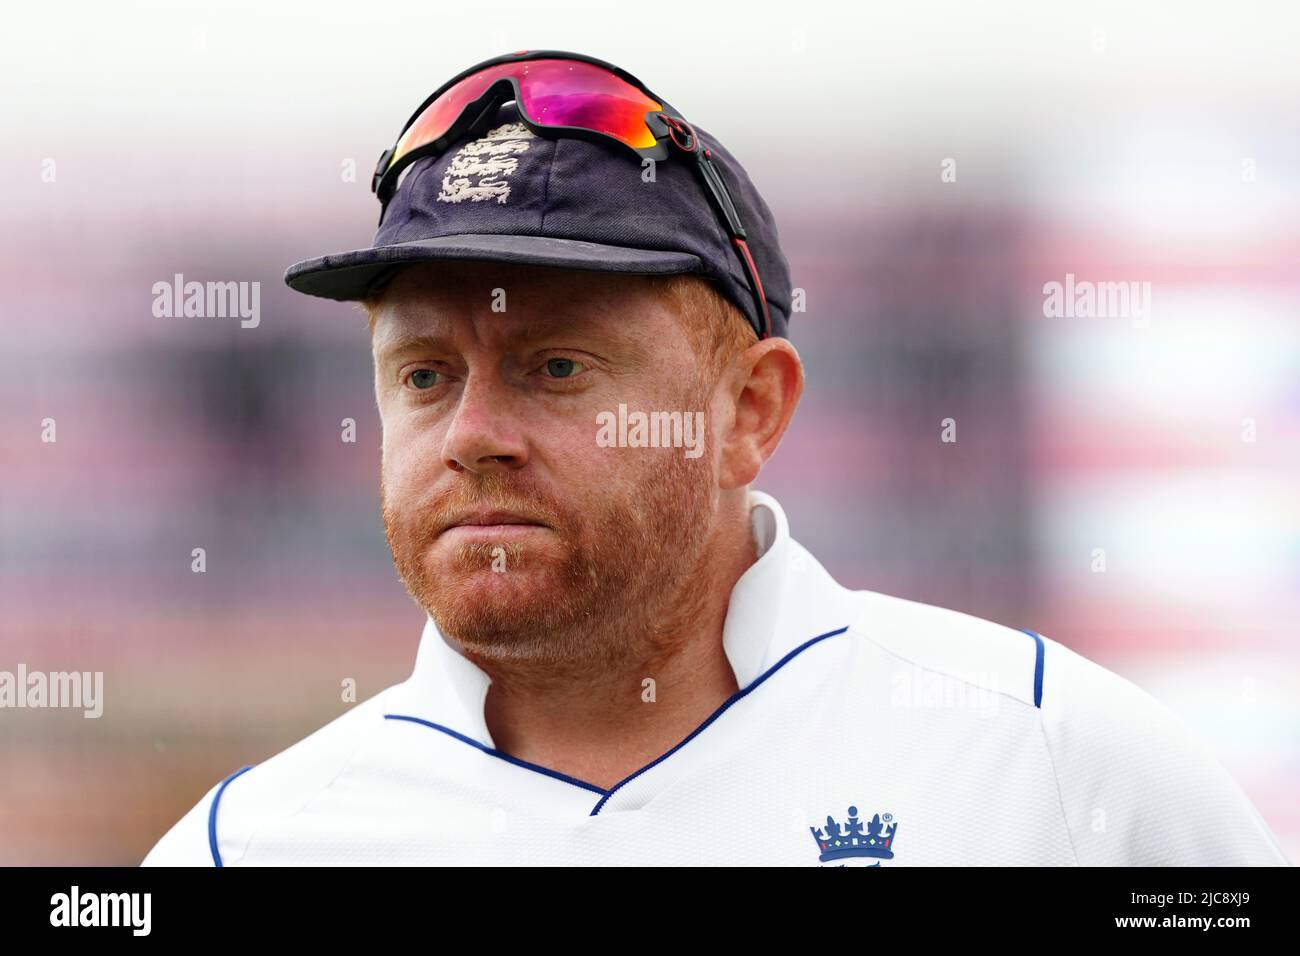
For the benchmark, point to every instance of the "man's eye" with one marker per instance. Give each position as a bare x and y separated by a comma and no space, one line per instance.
562,367
424,378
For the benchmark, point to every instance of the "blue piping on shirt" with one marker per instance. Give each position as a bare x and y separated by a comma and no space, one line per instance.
497,753
1038,667
212,814
606,794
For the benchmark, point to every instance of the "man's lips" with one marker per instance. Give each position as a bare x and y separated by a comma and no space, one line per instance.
489,520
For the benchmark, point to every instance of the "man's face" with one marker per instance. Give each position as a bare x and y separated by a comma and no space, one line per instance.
509,522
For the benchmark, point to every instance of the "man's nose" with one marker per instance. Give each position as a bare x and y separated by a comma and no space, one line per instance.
484,434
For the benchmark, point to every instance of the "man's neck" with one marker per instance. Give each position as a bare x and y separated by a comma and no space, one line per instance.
602,724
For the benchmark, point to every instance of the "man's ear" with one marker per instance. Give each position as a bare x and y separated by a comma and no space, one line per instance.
766,382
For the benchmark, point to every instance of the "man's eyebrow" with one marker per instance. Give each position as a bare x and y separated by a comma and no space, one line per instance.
402,342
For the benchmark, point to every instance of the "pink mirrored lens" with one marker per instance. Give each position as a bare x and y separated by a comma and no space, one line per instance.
552,92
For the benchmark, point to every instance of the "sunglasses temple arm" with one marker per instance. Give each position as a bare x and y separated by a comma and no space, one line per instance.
722,200
720,195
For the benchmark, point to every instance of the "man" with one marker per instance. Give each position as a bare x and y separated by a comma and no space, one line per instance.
628,659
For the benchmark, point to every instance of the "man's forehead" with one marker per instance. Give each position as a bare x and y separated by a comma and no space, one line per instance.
515,303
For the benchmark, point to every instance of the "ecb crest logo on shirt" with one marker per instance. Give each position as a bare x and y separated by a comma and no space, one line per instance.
855,843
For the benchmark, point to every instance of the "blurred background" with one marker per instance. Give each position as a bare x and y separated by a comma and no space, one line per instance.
1128,485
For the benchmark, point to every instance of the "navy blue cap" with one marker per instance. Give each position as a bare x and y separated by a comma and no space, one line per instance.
509,195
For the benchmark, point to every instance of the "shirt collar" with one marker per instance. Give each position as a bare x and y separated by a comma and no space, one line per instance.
447,688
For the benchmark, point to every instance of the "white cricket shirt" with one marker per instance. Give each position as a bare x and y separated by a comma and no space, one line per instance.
868,730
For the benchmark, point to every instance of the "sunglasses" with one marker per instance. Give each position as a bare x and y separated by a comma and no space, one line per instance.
559,94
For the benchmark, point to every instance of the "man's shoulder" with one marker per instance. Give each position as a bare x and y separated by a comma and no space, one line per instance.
217,829
1016,662
957,646
1136,785
1069,691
